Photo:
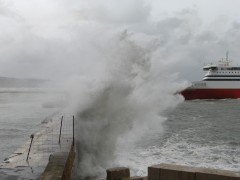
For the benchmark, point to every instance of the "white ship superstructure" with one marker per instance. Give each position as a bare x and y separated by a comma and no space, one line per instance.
220,81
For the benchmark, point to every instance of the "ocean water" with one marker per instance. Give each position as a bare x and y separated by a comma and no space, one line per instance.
203,133
21,115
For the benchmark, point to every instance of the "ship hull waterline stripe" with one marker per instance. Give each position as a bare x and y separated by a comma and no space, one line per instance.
195,93
222,76
221,79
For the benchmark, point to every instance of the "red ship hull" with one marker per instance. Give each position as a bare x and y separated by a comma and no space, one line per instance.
194,93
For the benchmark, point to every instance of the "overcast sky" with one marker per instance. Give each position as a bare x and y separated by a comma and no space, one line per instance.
56,39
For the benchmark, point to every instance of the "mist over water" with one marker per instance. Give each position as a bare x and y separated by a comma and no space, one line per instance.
125,103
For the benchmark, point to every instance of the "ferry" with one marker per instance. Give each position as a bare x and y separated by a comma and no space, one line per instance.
221,81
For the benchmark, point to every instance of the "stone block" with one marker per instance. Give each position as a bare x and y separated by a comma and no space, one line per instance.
119,173
215,174
171,172
154,172
167,174
125,178
187,175
206,176
138,178
177,172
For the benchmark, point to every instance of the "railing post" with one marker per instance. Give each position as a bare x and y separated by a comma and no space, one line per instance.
60,133
73,130
32,136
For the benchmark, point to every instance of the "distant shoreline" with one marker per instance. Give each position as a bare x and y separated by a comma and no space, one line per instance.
30,90
7,82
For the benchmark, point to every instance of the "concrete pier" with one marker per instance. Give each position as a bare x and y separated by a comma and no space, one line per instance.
45,155
174,172
59,166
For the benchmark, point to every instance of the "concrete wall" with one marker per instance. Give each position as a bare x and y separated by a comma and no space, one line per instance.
60,166
119,173
177,172
174,172
69,164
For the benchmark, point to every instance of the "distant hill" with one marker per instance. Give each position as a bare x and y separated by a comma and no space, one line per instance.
6,82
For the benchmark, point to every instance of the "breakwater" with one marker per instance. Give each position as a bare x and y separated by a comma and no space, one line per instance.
48,154
174,172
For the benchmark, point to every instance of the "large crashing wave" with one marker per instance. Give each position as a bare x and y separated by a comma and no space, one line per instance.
125,102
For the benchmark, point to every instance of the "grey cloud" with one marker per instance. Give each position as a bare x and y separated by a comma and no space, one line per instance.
207,36
117,12
4,10
86,31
